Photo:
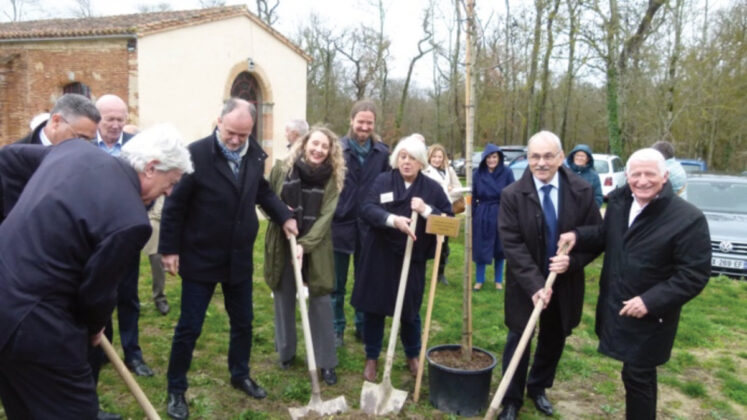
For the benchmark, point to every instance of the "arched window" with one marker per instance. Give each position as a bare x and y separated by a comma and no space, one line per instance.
245,86
77,87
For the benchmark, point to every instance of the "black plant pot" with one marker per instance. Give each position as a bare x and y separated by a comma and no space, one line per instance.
459,391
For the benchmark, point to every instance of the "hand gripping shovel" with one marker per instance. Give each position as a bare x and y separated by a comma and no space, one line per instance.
316,405
383,398
503,386
150,412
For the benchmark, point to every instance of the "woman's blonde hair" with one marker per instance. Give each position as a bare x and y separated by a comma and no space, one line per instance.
435,147
334,157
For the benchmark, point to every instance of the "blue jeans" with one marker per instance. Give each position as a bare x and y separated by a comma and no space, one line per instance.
195,300
373,335
480,272
342,262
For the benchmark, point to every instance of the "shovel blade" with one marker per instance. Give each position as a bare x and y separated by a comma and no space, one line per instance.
321,408
381,399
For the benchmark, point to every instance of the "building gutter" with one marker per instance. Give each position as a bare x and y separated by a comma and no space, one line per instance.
67,38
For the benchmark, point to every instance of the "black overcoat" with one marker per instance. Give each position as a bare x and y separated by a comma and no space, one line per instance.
65,245
664,257
377,280
522,229
210,218
347,229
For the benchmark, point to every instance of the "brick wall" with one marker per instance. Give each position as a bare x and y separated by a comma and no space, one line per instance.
33,74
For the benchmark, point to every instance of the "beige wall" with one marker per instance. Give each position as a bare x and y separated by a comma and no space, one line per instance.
184,75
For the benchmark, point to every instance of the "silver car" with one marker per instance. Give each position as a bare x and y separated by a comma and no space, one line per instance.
723,200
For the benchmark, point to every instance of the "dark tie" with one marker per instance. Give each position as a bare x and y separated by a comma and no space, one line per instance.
551,220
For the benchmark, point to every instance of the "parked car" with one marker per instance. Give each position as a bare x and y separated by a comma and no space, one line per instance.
692,165
459,166
723,200
611,172
511,152
518,166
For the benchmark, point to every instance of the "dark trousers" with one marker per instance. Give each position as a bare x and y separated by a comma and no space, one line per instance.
342,262
640,392
550,343
159,278
128,315
373,335
31,390
445,251
195,300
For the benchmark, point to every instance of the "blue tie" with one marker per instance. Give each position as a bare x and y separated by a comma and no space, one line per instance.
551,220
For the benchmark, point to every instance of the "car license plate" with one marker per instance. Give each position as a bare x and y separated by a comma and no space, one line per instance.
727,263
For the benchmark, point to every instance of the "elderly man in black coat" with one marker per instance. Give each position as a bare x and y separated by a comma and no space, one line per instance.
208,228
64,247
548,199
657,256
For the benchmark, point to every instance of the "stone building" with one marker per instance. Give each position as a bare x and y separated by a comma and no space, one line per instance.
175,66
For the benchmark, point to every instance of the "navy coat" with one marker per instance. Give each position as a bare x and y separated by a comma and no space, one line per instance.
586,172
522,226
65,248
377,280
664,257
210,218
347,230
486,191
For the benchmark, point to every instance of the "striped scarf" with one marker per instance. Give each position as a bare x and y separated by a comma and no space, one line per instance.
303,190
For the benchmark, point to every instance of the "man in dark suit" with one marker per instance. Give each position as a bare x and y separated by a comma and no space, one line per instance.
70,117
110,138
66,242
548,199
208,228
657,256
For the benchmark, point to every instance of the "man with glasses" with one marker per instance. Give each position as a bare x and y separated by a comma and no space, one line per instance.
547,199
73,116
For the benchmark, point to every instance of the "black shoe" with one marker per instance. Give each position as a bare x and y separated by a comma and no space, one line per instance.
329,376
178,408
286,364
163,307
543,404
442,280
338,340
139,368
104,415
509,412
249,387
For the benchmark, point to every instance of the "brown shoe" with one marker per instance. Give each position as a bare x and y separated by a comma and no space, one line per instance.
369,371
412,364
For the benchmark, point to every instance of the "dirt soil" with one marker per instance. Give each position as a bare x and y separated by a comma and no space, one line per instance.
452,358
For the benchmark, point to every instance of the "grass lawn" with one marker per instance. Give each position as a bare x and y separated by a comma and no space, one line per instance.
706,377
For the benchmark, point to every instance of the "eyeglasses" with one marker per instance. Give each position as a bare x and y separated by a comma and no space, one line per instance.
534,157
76,135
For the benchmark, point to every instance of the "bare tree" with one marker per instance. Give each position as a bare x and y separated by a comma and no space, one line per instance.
206,4
267,12
82,9
17,8
573,17
539,7
424,47
539,113
160,7
362,48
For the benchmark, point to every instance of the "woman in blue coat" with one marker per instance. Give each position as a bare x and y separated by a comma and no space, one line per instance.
581,162
488,181
387,210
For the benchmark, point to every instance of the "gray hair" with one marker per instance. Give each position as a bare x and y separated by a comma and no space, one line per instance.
299,126
161,143
233,103
414,147
72,106
547,136
648,155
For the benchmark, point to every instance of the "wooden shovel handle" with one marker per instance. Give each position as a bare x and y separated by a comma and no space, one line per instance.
134,388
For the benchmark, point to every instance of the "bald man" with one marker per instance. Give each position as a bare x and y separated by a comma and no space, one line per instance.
110,136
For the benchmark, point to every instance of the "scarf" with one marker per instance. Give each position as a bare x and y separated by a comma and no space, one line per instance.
303,190
361,152
233,157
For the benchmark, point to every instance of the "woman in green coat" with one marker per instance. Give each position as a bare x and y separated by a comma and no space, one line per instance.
309,181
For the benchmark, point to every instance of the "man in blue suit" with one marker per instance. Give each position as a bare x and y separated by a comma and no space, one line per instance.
78,223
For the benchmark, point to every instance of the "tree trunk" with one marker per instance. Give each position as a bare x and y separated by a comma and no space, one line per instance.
545,82
531,123
570,70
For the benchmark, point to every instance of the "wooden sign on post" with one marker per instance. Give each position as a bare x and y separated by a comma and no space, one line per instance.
442,225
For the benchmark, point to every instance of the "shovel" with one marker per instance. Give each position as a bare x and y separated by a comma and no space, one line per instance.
316,405
382,399
525,336
150,412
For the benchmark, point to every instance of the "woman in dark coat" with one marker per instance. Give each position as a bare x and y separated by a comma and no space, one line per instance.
387,209
309,181
488,181
581,162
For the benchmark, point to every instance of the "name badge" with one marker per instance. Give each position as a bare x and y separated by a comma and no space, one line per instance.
387,197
